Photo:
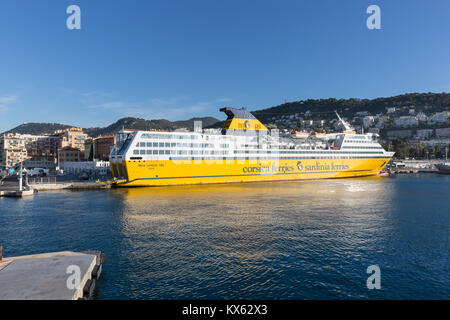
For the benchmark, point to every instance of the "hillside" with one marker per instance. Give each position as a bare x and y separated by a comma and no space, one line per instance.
36,128
142,124
324,108
127,123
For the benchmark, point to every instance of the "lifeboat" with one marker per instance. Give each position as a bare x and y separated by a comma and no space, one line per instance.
318,135
299,134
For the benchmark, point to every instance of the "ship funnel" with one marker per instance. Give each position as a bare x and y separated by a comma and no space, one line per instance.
241,122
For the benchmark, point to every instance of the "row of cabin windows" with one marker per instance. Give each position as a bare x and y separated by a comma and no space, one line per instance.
223,152
200,145
181,152
357,141
308,152
173,145
186,145
168,136
271,158
357,147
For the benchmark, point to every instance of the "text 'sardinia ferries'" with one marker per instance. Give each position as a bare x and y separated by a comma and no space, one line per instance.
243,151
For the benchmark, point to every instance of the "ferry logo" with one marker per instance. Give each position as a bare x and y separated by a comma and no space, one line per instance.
299,166
247,124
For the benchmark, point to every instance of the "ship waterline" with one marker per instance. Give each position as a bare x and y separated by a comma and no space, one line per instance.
181,172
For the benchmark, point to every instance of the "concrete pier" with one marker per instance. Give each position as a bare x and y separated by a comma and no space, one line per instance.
51,276
69,186
10,187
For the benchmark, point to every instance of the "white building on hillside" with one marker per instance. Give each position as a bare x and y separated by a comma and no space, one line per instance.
368,121
406,121
391,110
422,116
439,117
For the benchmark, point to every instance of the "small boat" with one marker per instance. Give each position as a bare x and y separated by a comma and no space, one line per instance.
443,168
318,134
299,134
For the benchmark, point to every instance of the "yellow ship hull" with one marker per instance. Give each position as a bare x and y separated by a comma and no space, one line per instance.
181,172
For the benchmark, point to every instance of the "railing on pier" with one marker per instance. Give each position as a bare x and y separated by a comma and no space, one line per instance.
42,180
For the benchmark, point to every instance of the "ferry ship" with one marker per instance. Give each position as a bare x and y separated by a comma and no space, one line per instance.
243,151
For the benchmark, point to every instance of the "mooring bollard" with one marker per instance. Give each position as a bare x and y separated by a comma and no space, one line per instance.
1,253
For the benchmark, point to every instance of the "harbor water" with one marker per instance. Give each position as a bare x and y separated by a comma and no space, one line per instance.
278,240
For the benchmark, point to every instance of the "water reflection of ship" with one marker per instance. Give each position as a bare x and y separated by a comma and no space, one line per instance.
443,168
245,214
177,201
246,189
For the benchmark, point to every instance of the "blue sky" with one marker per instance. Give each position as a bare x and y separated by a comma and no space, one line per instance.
179,59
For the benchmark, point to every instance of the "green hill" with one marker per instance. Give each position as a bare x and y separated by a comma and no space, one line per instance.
37,128
127,123
324,108
142,124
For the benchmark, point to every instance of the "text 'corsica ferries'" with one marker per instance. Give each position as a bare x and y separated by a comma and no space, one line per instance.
243,151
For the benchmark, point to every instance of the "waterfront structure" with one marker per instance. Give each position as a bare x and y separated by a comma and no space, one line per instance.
99,148
30,141
89,149
40,162
69,154
44,146
12,151
73,137
243,151
103,147
30,150
92,167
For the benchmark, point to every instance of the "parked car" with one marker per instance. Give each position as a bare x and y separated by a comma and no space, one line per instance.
38,172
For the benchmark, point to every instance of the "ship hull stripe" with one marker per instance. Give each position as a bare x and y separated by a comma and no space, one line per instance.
243,175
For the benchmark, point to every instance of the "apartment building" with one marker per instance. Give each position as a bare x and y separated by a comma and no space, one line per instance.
12,151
